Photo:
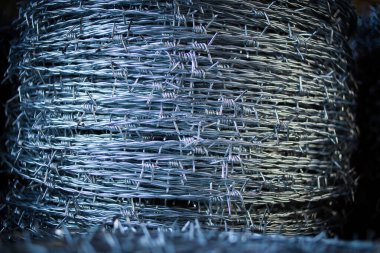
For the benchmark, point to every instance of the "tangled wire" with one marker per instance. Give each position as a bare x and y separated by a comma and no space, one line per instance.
190,238
236,113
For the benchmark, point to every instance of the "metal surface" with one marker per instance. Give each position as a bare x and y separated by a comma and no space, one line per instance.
237,113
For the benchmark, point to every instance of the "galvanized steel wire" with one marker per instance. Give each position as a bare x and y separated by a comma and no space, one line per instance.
237,113
190,238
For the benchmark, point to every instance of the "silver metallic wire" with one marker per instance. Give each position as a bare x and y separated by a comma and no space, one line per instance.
237,113
189,238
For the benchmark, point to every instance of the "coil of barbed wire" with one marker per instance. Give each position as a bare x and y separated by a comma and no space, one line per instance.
239,114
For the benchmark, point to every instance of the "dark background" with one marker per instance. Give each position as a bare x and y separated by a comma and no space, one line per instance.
363,220
363,216
8,12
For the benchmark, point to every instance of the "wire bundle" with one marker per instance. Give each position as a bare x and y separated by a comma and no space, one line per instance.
236,113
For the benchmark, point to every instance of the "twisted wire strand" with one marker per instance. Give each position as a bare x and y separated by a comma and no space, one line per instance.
236,113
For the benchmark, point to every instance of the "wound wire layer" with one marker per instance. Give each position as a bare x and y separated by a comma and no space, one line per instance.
239,114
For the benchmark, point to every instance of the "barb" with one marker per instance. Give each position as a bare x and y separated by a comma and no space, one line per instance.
190,239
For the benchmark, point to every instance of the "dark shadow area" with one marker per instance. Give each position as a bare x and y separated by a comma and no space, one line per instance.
8,12
364,218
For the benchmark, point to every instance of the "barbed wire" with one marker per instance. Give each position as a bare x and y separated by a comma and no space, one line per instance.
237,113
189,238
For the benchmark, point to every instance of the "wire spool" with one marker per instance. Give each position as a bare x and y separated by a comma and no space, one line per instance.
236,113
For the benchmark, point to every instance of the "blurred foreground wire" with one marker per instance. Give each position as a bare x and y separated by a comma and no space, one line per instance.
190,238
